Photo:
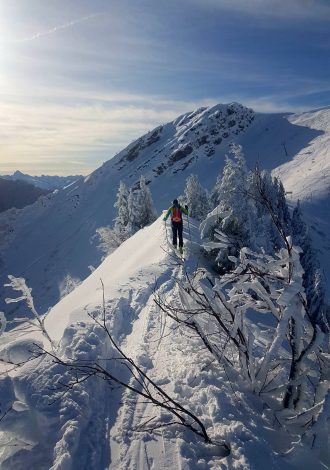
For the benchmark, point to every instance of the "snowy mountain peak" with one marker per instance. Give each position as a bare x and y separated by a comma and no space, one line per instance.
190,137
18,174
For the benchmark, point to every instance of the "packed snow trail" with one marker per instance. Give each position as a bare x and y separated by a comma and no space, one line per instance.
129,276
95,425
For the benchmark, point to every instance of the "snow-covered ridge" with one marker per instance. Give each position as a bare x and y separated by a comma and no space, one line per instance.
196,135
307,175
54,238
94,425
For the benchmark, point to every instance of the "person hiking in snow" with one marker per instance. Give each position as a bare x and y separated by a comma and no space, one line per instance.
177,224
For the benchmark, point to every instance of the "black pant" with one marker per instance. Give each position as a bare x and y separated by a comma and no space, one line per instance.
177,229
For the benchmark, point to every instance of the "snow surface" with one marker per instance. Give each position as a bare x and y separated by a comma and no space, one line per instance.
95,425
307,177
53,241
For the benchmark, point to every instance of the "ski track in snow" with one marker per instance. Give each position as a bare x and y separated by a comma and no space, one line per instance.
78,438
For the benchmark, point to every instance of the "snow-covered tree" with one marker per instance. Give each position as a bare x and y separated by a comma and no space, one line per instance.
196,197
147,210
141,210
251,211
233,216
233,193
134,211
122,218
273,223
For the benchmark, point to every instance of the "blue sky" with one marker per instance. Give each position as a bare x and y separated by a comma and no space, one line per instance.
80,79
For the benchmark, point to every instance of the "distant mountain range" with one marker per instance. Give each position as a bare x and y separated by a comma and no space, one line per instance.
45,182
18,194
55,237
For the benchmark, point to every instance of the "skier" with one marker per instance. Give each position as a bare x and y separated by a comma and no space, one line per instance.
177,224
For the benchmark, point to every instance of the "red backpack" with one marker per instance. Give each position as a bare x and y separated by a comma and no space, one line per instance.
176,214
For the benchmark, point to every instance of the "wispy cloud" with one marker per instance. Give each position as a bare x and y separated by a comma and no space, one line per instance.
76,137
55,29
292,9
95,125
70,133
78,98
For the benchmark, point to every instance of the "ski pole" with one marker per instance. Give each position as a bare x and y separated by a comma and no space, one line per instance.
166,233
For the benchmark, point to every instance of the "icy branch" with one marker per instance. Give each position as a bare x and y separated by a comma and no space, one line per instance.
19,284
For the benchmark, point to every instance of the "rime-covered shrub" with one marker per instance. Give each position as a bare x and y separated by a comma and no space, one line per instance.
109,239
68,285
18,284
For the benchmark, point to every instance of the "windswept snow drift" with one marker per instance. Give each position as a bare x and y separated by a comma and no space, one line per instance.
96,426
